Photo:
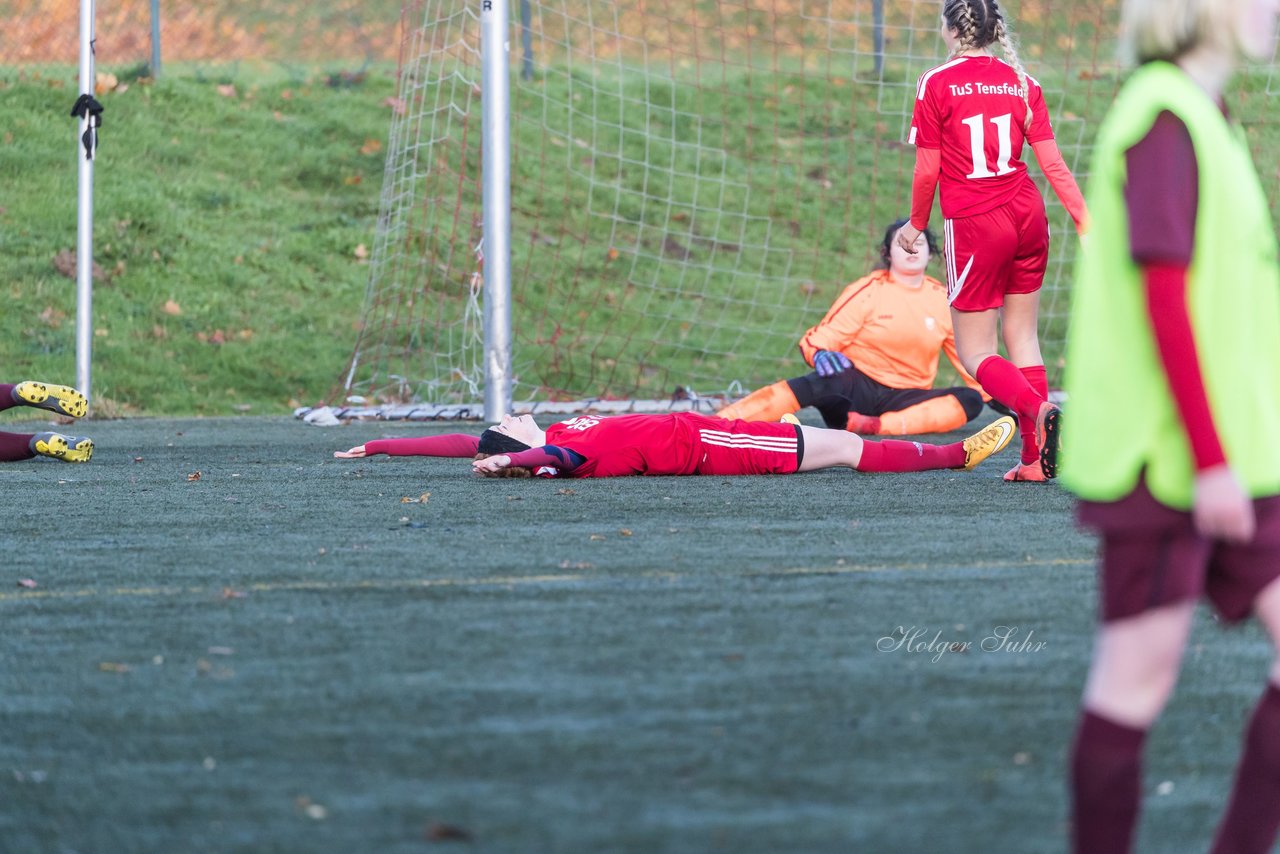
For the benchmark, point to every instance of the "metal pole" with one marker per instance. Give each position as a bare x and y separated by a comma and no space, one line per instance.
155,39
84,218
496,176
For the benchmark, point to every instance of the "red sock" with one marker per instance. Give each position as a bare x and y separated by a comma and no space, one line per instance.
892,455
1106,785
1003,381
1027,426
1253,814
14,447
6,396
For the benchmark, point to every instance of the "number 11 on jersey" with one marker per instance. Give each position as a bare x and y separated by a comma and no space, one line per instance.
978,147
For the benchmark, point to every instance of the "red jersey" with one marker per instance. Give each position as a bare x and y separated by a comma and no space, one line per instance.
677,443
620,445
971,109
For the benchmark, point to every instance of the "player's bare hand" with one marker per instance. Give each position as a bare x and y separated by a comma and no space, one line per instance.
907,237
490,464
354,454
1221,509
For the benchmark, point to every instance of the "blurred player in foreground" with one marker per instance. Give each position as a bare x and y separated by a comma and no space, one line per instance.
1173,379
683,443
59,399
972,116
875,355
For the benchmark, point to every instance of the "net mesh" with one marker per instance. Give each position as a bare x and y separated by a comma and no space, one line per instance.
692,185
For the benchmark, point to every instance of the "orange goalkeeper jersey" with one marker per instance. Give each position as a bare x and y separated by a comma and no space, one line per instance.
890,331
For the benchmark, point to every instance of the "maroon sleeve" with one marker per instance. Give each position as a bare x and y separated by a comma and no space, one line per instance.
548,455
1167,307
1161,193
449,445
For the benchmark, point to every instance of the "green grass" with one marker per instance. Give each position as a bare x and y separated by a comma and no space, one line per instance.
234,215
244,211
202,661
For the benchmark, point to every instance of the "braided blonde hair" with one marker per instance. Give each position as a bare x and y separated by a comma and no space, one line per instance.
979,24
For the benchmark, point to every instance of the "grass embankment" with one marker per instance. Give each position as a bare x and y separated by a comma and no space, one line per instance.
231,212
230,216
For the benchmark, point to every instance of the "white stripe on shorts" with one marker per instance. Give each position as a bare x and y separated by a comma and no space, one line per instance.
779,444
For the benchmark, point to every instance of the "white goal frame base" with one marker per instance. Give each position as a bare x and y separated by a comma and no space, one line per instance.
328,416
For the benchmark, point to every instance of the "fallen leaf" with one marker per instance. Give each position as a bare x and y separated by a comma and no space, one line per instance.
171,307
397,105
232,593
113,667
28,583
566,492
597,536
105,82
361,252
194,476
625,532
441,832
371,146
227,90
611,255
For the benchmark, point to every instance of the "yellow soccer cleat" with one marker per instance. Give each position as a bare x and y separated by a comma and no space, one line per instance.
788,418
991,439
62,399
69,449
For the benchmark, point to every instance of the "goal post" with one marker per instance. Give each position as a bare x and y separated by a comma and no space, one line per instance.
692,184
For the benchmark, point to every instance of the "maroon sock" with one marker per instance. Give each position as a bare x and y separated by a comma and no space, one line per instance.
6,396
897,456
15,446
1253,813
1106,785
1039,383
1003,381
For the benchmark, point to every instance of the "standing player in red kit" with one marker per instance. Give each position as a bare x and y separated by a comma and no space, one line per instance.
972,116
683,443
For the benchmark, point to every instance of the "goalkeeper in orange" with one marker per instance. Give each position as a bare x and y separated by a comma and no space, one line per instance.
875,355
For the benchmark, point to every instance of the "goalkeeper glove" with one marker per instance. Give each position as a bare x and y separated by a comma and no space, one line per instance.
829,363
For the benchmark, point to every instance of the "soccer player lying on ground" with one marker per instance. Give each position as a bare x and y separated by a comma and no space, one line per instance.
683,443
61,399
1173,351
875,355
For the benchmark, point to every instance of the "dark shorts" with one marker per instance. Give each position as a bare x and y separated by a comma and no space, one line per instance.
1150,556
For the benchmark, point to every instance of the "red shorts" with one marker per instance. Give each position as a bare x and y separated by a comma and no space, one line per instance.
1151,556
749,447
1002,251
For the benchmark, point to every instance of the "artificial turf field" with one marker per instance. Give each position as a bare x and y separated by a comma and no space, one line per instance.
283,656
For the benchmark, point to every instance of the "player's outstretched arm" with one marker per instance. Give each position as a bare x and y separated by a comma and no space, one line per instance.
448,445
